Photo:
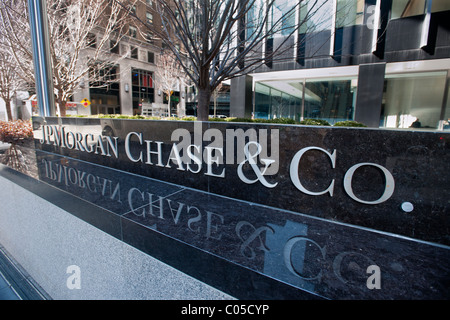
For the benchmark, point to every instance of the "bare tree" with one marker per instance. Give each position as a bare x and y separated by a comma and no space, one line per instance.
223,39
170,75
11,78
215,95
80,34
10,82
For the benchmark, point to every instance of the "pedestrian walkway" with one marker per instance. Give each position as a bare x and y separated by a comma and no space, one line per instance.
15,283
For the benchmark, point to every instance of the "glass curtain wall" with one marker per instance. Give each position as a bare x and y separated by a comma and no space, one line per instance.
328,99
282,17
315,16
349,13
446,114
272,101
409,8
332,100
413,100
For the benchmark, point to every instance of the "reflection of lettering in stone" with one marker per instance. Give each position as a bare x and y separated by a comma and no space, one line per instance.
292,256
69,176
246,248
148,205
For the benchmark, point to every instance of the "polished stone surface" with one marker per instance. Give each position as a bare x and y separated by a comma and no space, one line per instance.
247,249
339,213
417,162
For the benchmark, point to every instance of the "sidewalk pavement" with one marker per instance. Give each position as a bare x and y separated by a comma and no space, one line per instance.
15,283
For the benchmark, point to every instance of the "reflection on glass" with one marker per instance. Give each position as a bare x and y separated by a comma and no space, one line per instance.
413,100
104,90
331,100
349,13
407,8
254,19
142,88
446,120
440,5
282,16
277,99
315,15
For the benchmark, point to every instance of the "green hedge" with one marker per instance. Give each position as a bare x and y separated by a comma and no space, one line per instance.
308,122
315,122
277,120
349,123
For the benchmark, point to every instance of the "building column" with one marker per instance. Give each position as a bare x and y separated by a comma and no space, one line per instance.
126,98
241,97
369,97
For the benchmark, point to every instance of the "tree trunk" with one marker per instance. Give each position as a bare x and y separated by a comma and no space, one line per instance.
204,97
62,107
8,109
168,107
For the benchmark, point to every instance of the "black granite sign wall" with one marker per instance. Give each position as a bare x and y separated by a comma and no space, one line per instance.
323,258
387,180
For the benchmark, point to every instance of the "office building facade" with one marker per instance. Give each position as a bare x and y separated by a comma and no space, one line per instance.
131,86
384,63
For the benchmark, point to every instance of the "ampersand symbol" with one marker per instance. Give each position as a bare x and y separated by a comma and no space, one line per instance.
255,235
251,160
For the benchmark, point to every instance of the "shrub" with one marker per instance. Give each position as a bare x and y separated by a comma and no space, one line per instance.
315,122
189,118
217,119
280,120
349,123
277,120
238,119
15,131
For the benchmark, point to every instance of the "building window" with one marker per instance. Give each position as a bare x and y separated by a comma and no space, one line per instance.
142,89
413,100
315,15
446,120
332,99
114,46
149,2
254,18
134,52
407,8
104,89
328,99
132,32
440,5
282,17
149,17
277,99
349,13
150,57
